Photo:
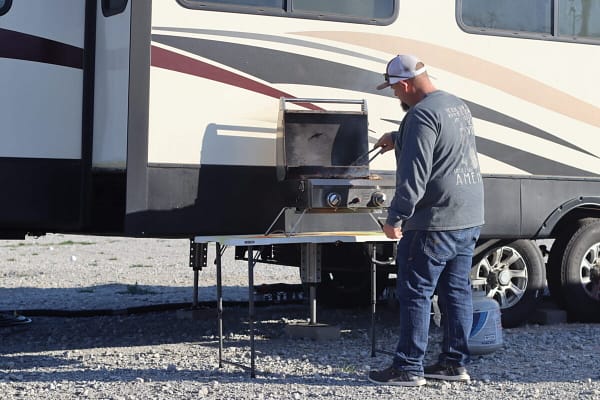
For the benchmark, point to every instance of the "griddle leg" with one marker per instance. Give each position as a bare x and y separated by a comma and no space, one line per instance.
374,264
219,304
251,262
195,292
373,300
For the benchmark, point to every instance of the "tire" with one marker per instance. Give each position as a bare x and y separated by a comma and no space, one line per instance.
580,273
555,260
515,276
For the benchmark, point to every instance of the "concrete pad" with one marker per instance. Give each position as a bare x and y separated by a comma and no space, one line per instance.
317,332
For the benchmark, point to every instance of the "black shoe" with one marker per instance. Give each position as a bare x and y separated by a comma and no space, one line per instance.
396,377
447,373
12,320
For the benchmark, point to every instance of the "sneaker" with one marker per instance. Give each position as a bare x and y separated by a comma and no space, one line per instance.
447,373
12,320
396,377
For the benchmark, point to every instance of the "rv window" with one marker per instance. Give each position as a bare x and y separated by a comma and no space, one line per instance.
255,3
380,12
4,6
510,15
354,8
579,18
561,20
113,7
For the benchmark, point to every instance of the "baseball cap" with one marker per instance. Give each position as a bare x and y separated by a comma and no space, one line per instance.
400,68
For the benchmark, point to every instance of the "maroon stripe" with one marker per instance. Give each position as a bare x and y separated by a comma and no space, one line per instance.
173,61
22,46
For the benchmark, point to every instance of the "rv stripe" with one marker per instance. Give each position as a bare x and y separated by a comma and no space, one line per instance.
495,117
277,66
21,46
478,70
304,70
526,161
167,59
298,69
273,38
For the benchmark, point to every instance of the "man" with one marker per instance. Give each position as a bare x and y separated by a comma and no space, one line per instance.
436,212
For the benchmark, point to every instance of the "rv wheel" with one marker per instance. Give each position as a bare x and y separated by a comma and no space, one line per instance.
515,278
580,273
554,266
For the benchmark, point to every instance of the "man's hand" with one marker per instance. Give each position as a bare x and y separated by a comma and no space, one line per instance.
385,142
391,232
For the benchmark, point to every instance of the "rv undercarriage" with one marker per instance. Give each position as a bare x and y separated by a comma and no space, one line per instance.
515,272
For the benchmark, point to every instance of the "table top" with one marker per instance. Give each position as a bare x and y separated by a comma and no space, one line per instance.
306,237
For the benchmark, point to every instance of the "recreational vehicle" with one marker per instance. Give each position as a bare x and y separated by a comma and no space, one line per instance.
159,118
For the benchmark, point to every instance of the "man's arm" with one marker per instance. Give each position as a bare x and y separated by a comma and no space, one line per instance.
414,164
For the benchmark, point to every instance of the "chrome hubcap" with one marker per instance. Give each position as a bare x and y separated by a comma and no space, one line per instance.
589,272
505,272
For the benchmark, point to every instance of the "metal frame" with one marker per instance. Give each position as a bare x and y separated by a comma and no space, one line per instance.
249,241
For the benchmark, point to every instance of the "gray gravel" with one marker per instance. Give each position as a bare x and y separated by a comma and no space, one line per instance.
173,354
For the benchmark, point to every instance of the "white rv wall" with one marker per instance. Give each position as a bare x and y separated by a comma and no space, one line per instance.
41,104
546,85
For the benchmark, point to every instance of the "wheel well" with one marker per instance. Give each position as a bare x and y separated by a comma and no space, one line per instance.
570,218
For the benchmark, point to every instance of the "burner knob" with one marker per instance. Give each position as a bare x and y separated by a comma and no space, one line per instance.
334,199
378,199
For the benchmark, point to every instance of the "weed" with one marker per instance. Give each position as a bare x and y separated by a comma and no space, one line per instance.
140,266
70,242
349,369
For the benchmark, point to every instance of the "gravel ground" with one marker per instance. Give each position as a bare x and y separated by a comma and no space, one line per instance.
169,355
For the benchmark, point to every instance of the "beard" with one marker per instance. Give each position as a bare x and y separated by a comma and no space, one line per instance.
405,107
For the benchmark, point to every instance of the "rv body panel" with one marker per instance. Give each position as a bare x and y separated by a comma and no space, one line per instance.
42,69
544,200
530,206
42,79
222,87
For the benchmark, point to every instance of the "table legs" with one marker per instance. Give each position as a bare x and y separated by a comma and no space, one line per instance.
373,300
251,263
219,304
374,264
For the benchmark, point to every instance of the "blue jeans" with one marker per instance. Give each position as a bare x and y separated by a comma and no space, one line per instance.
427,259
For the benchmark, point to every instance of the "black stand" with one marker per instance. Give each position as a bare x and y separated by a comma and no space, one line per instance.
374,264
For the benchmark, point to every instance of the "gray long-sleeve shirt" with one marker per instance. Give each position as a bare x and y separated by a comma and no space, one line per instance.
438,181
